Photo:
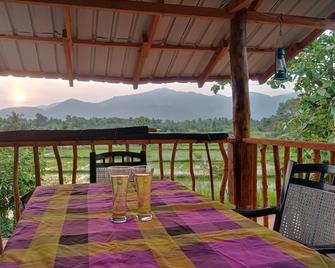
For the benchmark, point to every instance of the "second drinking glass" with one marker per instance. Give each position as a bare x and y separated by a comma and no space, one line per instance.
143,179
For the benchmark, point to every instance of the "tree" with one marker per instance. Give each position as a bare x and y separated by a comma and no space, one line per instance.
313,72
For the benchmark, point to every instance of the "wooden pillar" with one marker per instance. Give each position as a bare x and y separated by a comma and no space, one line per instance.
243,160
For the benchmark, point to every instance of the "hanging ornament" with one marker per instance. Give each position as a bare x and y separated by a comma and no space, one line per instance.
280,63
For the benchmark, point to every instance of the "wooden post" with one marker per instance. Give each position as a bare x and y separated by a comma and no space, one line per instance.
1,247
161,163
264,183
74,163
224,179
210,167
37,166
244,162
190,154
16,190
173,157
59,164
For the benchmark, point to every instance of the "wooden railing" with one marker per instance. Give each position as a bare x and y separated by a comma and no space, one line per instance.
272,153
282,152
127,136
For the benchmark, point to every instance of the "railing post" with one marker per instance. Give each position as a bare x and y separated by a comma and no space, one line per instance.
37,166
224,179
1,247
16,190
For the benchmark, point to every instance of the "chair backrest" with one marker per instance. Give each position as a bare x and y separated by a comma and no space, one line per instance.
307,207
99,163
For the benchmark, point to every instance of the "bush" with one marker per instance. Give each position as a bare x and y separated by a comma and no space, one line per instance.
26,184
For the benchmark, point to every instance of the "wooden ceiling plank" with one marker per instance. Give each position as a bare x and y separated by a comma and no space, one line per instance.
218,55
144,52
236,5
68,45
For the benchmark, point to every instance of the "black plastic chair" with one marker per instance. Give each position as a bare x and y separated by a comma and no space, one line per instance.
307,207
100,162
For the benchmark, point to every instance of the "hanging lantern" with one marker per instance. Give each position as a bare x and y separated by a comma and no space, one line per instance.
280,65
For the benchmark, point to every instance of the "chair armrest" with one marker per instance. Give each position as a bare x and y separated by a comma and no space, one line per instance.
324,249
255,213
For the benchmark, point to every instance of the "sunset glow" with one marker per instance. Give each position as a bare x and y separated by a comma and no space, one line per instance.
18,96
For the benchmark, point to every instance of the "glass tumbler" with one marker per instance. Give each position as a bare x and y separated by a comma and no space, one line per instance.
120,177
143,179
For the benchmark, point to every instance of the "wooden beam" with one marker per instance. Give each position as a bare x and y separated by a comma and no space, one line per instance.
186,11
236,5
145,51
218,55
138,7
293,51
300,21
94,43
68,45
255,5
111,79
48,40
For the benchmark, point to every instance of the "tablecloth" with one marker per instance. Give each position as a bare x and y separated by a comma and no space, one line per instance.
70,226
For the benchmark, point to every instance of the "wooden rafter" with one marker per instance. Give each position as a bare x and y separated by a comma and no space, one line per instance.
300,21
255,5
91,43
110,79
188,11
236,5
147,43
68,45
218,55
293,51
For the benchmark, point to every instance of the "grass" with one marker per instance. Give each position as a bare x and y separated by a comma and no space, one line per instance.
181,166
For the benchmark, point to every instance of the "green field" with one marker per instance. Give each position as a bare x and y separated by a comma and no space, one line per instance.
182,173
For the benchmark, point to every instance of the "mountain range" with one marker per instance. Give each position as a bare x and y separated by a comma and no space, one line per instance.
162,103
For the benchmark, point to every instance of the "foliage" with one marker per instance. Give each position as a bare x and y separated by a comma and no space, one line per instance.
313,72
311,117
26,184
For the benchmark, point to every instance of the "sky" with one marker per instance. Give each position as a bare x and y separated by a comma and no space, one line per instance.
16,91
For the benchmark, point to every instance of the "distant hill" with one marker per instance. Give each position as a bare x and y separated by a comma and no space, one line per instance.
161,103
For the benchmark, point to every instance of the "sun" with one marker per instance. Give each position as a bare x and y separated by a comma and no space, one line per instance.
18,96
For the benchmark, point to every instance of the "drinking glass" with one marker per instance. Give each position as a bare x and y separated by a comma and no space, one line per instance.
143,179
120,177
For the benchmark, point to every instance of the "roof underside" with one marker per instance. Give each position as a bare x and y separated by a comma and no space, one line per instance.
108,45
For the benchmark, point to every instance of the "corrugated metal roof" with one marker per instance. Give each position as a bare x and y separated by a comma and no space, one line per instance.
103,63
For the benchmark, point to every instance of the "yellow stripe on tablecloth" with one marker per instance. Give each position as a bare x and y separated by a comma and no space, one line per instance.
43,254
165,250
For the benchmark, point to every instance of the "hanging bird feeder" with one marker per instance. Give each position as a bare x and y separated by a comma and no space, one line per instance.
280,63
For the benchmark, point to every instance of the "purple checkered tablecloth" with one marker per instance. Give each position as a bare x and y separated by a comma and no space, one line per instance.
70,226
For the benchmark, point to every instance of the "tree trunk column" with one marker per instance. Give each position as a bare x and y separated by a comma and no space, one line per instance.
243,157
